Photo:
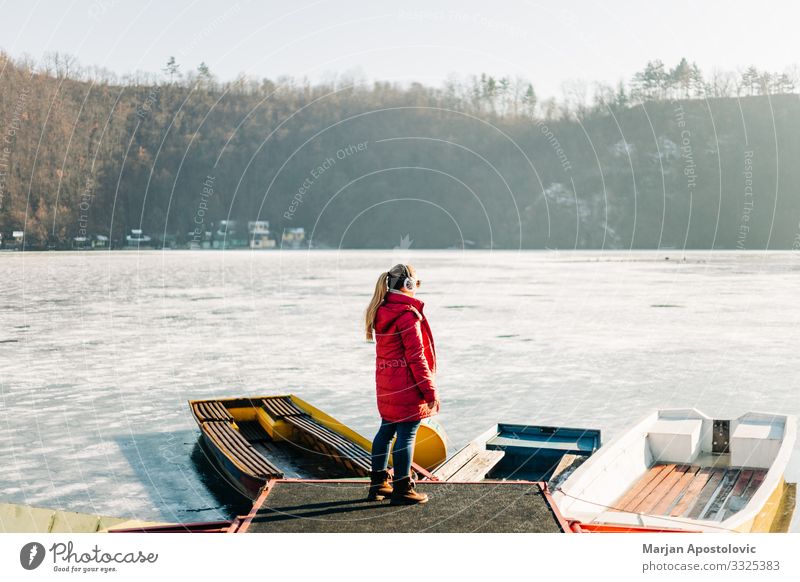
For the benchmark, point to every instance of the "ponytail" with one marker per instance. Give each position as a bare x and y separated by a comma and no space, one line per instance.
377,298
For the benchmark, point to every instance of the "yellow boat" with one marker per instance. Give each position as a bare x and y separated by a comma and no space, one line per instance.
680,469
255,439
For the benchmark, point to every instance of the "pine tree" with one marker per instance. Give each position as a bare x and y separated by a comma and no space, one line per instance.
172,69
681,77
530,99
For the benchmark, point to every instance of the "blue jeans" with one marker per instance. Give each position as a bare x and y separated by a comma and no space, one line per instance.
402,450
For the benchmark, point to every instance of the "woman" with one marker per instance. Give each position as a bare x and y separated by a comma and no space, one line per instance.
404,378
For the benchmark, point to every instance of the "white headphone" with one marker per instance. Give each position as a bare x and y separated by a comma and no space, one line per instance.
409,282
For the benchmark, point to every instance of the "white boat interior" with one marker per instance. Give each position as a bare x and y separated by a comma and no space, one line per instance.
679,468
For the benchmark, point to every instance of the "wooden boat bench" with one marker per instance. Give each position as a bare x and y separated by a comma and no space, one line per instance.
470,464
239,450
206,411
318,437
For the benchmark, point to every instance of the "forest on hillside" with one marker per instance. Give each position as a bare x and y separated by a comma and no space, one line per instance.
667,159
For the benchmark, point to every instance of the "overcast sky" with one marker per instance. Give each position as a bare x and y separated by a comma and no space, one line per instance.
546,42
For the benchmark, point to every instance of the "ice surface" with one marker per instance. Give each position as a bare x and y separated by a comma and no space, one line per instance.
99,353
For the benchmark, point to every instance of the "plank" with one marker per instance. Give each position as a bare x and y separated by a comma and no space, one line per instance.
707,493
755,483
477,468
735,500
566,466
689,497
282,406
236,447
327,435
333,445
643,481
716,502
454,463
674,494
648,488
207,411
661,490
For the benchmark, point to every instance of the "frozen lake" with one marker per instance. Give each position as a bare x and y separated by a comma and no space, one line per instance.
99,352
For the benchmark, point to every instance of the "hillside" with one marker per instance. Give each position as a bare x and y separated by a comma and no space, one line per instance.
365,165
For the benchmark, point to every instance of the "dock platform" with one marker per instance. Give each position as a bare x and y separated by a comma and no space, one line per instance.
325,506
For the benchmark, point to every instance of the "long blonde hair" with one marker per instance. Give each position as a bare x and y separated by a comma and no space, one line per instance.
381,288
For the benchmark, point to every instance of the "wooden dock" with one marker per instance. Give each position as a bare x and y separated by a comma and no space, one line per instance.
325,506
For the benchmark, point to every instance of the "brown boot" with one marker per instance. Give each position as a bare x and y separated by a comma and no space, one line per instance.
405,494
379,488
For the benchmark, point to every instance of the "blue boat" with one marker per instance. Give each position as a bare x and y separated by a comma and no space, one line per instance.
521,452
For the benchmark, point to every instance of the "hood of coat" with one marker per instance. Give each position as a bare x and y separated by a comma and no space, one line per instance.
393,306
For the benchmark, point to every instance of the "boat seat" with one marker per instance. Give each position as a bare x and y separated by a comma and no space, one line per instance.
755,444
469,464
322,439
281,407
207,411
478,466
675,440
238,449
318,437
447,469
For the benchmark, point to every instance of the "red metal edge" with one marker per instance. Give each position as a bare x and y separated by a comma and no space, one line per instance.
192,527
565,525
580,527
242,523
431,482
428,476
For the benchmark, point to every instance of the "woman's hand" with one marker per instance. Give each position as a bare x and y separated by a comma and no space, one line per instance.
433,405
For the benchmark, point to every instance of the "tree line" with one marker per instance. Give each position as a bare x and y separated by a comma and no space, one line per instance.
479,161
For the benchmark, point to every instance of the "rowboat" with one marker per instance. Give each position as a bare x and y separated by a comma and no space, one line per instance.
520,452
252,440
679,469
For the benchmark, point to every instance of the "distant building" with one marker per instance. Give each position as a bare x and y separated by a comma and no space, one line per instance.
259,235
80,242
13,241
100,241
137,239
293,238
229,236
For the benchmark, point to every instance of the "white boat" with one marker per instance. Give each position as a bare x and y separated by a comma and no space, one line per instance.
680,469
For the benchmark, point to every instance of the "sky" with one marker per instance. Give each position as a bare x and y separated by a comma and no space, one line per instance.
549,43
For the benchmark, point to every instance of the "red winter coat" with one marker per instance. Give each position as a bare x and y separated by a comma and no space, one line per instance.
406,360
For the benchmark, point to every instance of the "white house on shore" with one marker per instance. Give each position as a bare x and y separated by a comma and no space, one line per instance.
259,235
293,238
